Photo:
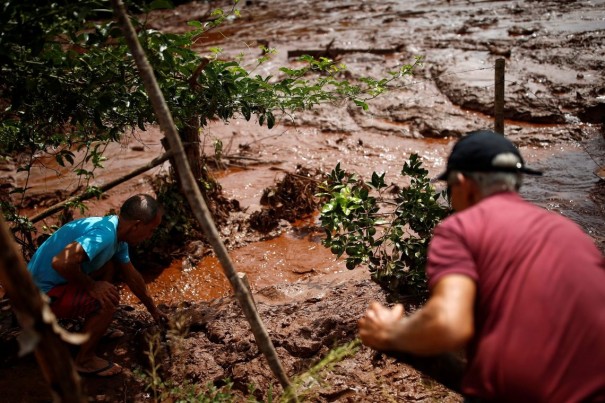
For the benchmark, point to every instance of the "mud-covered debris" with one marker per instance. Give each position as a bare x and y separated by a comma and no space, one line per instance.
290,199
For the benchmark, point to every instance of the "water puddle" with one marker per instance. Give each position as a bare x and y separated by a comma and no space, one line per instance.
568,183
293,256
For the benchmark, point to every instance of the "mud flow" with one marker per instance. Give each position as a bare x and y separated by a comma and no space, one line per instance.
554,110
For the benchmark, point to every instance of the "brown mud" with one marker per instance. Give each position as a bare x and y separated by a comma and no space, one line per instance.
555,111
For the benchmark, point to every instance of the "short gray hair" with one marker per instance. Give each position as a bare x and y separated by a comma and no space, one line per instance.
493,182
140,207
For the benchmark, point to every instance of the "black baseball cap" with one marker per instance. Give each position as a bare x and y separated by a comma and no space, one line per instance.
485,151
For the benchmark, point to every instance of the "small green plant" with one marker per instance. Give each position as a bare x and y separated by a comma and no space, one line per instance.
305,384
23,230
388,234
162,388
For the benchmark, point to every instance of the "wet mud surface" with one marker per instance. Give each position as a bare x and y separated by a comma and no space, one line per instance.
555,111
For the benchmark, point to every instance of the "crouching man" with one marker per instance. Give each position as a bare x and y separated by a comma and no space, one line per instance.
78,265
522,288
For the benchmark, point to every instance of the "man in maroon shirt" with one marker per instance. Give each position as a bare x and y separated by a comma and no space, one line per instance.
523,289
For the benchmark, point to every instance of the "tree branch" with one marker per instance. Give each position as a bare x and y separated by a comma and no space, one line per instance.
109,185
194,196
38,323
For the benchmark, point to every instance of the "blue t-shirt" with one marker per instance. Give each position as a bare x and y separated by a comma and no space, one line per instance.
97,235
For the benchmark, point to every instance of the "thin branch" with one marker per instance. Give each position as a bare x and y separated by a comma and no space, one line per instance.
194,196
109,185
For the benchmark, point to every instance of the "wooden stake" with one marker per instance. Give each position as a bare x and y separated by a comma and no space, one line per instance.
194,196
499,97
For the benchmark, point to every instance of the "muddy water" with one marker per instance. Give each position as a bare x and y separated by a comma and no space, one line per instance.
285,259
298,254
568,183
556,58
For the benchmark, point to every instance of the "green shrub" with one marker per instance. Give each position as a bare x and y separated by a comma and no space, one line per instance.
389,235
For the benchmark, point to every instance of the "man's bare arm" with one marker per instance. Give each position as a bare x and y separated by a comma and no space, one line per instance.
68,263
134,280
444,323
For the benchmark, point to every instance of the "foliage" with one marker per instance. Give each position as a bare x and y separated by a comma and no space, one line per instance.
390,236
177,224
75,83
21,226
68,83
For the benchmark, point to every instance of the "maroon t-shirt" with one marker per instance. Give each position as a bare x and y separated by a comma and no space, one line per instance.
540,306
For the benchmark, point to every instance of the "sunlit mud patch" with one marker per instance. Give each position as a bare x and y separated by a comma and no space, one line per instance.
288,258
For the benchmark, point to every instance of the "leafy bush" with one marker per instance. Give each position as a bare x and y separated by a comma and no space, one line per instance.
389,235
69,83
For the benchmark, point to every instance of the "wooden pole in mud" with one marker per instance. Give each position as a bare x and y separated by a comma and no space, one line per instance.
38,324
499,97
194,196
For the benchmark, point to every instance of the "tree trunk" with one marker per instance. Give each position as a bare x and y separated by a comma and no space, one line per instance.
190,136
194,196
40,330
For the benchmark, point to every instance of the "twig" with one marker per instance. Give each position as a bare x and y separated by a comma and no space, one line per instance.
109,185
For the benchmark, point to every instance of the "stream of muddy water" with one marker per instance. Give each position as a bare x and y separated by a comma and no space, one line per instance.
297,254
554,58
567,187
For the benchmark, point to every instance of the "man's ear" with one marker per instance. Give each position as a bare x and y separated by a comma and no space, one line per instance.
471,188
132,224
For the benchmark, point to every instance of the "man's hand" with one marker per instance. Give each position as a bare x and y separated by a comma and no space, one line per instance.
377,327
160,317
136,283
106,293
444,323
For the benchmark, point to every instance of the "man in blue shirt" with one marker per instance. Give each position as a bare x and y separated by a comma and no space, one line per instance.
77,265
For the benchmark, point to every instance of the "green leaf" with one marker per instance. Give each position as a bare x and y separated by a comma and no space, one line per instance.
361,103
270,120
352,215
246,111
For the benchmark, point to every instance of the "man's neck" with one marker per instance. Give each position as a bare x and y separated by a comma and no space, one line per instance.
123,228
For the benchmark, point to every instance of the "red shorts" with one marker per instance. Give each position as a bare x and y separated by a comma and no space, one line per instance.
70,301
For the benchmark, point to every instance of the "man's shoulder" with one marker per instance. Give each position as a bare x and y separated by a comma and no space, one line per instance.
502,204
84,221
505,211
483,213
94,225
